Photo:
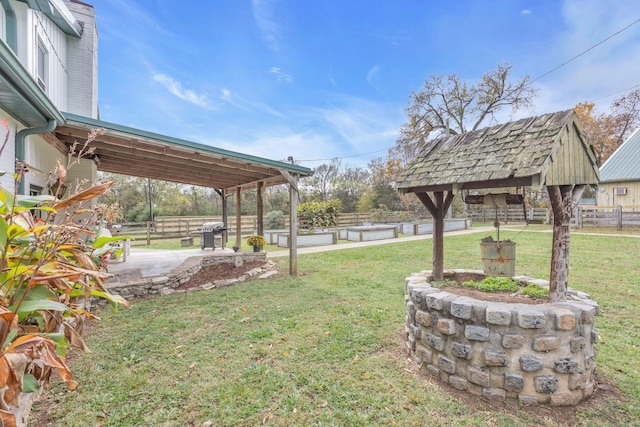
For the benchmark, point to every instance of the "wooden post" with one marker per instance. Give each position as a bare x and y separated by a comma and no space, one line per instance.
619,217
563,198
238,217
260,208
148,233
437,208
293,226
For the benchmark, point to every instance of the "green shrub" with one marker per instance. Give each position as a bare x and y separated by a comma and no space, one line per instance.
493,284
535,291
274,219
319,214
498,284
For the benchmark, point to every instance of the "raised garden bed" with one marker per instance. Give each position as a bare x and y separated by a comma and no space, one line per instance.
311,239
427,227
366,233
530,350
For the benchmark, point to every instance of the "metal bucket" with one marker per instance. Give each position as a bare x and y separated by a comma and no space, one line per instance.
499,258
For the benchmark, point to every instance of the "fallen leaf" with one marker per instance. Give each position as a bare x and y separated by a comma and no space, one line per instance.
206,424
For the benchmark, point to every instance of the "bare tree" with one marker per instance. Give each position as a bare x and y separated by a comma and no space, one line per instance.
451,105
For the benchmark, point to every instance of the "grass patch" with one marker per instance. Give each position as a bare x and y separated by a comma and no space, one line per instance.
323,348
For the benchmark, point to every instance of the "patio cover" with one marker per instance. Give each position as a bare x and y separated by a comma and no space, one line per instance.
129,151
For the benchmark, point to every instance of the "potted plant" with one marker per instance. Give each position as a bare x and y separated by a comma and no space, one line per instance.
257,242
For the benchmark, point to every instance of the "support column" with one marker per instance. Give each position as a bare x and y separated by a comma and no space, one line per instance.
437,208
563,199
260,208
238,217
293,225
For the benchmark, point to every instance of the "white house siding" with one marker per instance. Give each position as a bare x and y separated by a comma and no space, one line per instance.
82,64
8,157
606,194
42,159
34,26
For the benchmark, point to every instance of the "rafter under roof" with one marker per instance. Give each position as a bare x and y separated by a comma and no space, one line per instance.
136,152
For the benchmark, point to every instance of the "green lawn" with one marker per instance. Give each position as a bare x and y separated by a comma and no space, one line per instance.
324,349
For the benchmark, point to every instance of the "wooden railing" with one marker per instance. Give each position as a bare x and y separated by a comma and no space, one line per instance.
607,216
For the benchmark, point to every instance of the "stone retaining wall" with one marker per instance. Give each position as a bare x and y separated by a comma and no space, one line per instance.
167,284
537,354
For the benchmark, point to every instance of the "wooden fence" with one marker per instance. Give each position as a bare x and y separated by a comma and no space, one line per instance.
607,216
487,214
171,227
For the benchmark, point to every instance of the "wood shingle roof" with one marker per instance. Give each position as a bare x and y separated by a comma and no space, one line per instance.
545,150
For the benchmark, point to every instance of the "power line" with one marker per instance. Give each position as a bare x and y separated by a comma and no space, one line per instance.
344,157
615,93
537,78
585,51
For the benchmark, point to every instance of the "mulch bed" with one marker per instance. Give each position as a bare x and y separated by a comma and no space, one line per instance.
221,271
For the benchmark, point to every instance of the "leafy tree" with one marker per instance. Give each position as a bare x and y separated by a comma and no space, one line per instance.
607,132
349,187
382,194
450,104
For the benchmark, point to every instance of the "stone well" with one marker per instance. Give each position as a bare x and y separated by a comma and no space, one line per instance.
535,353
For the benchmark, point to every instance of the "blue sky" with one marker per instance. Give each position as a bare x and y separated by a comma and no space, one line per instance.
319,79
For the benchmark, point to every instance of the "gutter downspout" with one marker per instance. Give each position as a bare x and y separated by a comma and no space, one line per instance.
20,138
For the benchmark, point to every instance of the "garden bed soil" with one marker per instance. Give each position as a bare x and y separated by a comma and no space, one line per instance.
506,297
221,271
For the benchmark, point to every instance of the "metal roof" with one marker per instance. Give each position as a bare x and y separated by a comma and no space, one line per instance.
624,163
517,153
129,151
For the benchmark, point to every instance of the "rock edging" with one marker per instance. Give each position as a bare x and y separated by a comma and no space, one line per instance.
537,354
168,284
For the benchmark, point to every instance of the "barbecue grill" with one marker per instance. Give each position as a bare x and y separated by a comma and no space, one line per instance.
209,230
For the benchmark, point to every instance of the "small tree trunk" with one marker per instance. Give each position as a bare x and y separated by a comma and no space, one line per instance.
563,199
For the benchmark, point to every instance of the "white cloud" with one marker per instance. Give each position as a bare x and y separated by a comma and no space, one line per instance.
246,104
175,88
372,76
265,16
599,74
525,12
280,76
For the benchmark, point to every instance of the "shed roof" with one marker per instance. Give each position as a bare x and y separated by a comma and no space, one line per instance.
624,163
125,150
549,149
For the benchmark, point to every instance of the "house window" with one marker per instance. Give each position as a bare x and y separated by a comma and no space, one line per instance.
43,66
620,191
35,190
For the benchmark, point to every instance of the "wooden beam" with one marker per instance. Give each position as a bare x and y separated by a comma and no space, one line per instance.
428,203
497,183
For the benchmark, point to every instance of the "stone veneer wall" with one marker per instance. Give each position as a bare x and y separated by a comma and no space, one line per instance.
167,284
536,353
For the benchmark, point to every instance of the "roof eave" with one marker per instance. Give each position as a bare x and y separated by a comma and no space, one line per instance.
27,103
93,123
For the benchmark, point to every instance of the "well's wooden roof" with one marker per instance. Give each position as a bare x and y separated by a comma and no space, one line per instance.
545,150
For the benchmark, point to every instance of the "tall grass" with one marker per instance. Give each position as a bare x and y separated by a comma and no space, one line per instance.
324,348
